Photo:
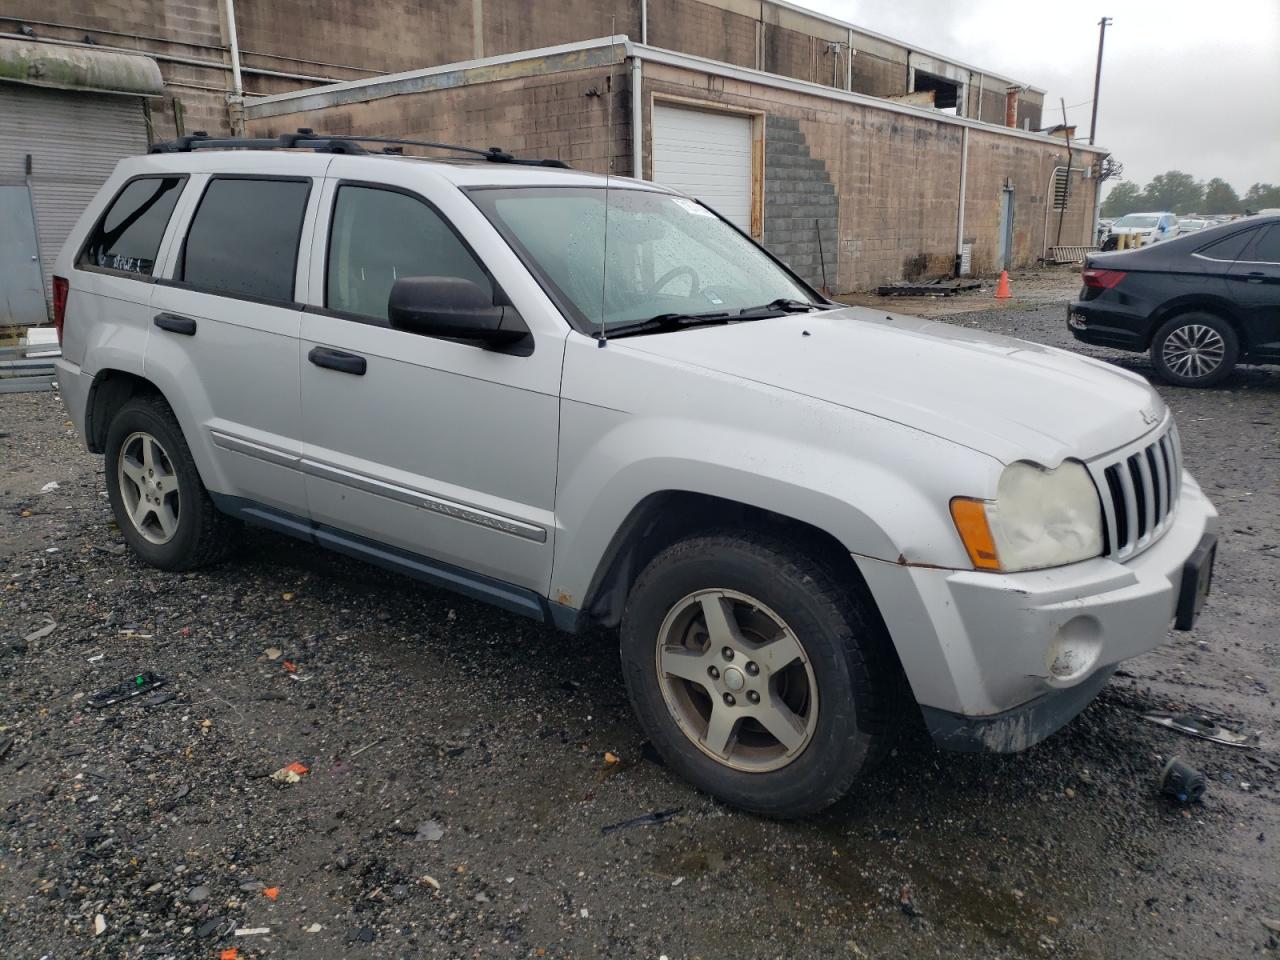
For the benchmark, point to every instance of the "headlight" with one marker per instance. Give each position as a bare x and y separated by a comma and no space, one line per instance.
1040,518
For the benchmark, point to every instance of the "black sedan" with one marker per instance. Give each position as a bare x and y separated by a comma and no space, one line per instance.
1199,304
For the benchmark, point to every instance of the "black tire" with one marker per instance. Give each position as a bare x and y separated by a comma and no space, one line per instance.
1225,349
202,535
856,674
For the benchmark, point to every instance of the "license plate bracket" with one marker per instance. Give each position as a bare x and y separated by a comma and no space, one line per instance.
1197,579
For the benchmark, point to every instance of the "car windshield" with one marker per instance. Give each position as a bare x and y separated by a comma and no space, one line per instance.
663,255
1137,220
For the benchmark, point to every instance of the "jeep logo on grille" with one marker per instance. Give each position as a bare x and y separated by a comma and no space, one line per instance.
1149,416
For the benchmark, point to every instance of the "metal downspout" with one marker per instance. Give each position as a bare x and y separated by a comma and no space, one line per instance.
964,177
644,21
637,118
237,83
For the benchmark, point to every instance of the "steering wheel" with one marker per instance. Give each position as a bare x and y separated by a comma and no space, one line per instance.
694,283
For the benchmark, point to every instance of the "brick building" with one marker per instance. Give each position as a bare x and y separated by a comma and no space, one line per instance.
857,158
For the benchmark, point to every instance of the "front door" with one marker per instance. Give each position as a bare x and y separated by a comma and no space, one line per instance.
1254,282
22,300
441,448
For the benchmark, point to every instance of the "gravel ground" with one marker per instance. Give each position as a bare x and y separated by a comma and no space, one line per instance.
458,775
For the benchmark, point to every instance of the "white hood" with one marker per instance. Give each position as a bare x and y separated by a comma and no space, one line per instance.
1008,398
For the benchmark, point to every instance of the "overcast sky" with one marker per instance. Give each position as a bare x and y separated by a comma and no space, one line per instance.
1186,85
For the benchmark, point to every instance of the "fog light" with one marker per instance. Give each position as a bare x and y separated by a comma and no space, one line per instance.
1073,652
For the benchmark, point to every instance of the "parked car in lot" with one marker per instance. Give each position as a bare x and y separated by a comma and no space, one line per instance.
1141,229
1199,304
1193,224
595,402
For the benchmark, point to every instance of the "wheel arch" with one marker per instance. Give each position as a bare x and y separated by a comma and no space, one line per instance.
112,389
1202,302
663,517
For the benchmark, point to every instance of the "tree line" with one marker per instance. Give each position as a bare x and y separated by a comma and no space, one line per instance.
1183,193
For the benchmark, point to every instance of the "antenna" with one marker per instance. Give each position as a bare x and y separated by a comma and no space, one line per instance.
603,339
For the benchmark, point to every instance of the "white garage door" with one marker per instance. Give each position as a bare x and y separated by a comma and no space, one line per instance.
707,155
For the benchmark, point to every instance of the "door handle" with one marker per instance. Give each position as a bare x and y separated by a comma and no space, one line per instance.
176,324
338,360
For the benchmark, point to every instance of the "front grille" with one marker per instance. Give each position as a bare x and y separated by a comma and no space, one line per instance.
1139,489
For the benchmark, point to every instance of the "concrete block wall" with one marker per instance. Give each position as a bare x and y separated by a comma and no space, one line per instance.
801,207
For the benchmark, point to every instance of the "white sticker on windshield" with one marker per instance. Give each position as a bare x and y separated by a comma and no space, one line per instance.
692,207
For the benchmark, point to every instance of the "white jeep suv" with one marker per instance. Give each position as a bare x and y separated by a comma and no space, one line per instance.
594,401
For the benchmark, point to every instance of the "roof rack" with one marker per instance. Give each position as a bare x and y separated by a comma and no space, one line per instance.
308,139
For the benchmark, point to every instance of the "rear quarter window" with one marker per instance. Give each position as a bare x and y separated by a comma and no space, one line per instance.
1229,248
127,238
243,239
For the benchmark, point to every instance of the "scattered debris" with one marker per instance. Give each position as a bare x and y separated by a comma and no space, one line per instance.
610,757
158,698
99,925
660,816
49,487
1272,925
1182,782
272,653
366,747
1202,727
96,658
135,686
430,881
231,953
314,928
271,893
41,632
251,931
907,905
211,928
430,831
291,774
929,288
362,935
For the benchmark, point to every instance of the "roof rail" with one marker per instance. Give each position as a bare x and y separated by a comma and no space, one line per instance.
308,139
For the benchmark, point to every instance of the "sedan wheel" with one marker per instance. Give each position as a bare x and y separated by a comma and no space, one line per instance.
1194,350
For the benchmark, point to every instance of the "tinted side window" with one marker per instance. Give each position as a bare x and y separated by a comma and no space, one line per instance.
127,238
244,237
1229,248
1267,249
378,236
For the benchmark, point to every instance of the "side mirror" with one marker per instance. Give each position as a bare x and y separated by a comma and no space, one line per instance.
454,308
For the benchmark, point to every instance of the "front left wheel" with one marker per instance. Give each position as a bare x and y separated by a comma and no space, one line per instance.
159,501
757,674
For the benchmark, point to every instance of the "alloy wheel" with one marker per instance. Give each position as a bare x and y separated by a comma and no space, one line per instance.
737,680
149,488
1193,350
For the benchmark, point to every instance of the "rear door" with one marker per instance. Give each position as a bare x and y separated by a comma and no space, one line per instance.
441,448
1254,281
224,338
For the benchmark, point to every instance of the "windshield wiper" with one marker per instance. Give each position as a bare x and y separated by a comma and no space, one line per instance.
668,321
775,307
665,322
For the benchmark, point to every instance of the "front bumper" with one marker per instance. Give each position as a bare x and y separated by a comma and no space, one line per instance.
1000,661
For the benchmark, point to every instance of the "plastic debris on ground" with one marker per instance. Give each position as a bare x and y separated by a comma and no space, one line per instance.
1202,727
1181,782
135,686
290,774
660,816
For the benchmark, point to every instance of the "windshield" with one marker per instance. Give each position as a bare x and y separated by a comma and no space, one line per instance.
1137,220
665,254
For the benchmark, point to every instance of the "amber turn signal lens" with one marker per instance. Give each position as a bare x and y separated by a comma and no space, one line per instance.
970,517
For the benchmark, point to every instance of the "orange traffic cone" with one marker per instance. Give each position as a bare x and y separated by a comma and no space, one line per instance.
1002,288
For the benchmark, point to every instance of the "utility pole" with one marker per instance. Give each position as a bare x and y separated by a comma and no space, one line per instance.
1097,77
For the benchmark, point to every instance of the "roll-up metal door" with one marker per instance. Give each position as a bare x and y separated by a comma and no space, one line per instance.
706,155
74,141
